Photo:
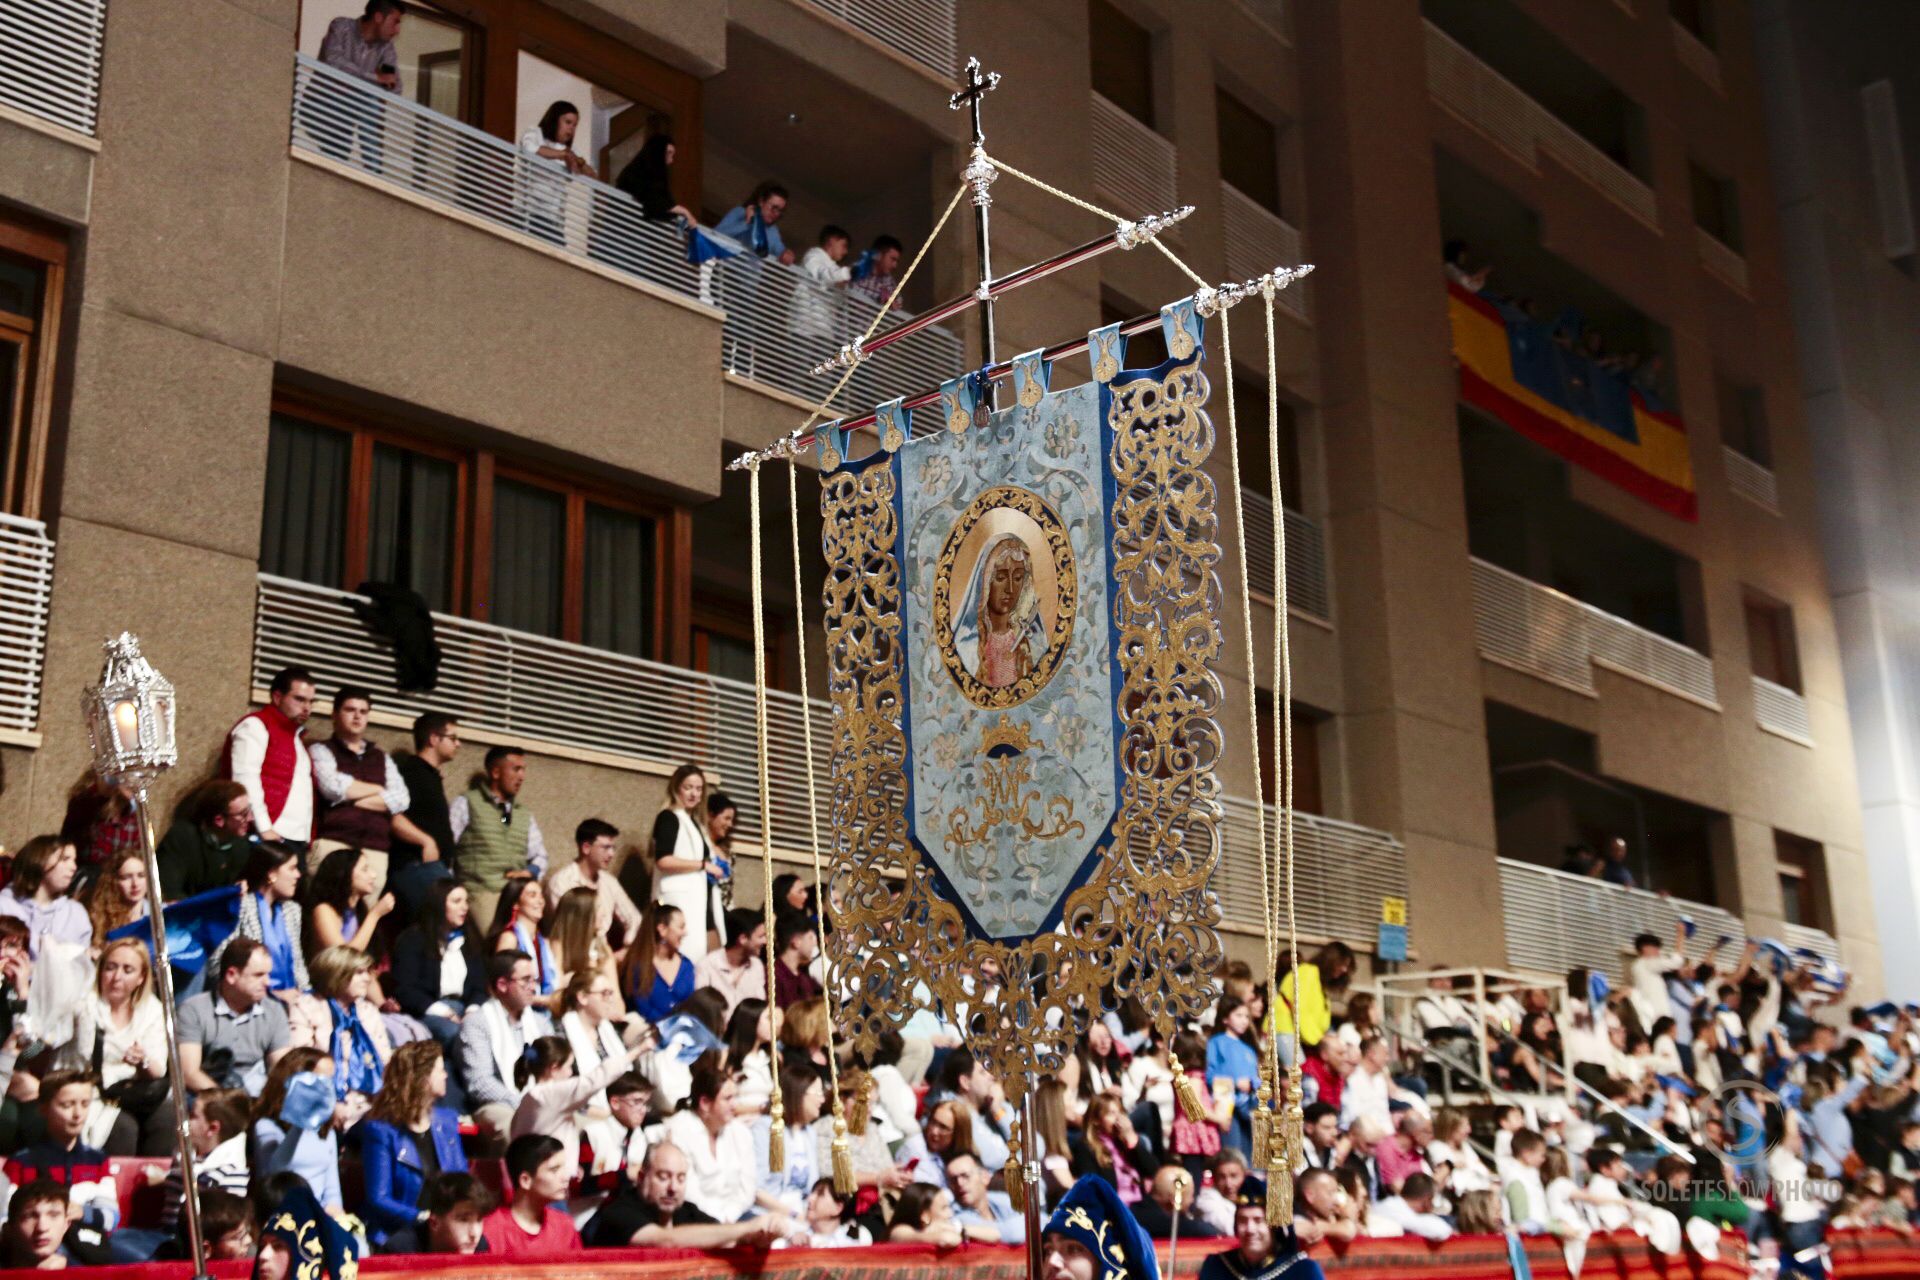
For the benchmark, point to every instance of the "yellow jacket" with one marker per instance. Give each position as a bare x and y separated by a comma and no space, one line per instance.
1315,1017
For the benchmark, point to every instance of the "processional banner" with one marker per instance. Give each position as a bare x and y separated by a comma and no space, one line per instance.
1022,614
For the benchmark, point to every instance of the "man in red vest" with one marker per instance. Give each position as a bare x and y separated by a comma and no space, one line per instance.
266,756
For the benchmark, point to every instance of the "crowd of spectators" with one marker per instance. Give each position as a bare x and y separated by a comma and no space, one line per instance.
456,1037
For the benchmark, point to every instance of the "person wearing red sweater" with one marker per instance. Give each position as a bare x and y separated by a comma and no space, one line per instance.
266,756
529,1226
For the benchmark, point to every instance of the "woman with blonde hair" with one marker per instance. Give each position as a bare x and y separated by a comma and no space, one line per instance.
803,1034
595,1025
119,1034
574,934
119,897
945,1133
1050,1123
408,1139
354,1031
684,872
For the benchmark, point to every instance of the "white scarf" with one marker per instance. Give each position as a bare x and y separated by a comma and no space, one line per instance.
591,1049
506,1055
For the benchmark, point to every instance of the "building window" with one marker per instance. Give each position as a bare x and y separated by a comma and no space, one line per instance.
1803,881
1716,206
1696,16
1122,57
348,502
1249,151
1306,755
33,262
1250,420
1770,643
1743,421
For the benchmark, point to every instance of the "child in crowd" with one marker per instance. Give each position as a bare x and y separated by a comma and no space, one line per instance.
554,1097
530,1226
65,1099
43,1232
217,1127
456,1206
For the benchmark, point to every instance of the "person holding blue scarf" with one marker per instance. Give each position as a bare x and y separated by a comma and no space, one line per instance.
356,1036
293,1125
516,927
752,223
1092,1235
270,915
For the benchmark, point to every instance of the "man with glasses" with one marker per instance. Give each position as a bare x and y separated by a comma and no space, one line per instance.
207,846
493,1038
416,863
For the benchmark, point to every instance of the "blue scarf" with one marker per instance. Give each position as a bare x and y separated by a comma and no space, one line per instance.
273,934
356,1063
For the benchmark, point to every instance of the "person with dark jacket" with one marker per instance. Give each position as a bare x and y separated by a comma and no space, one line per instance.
648,178
1109,1148
415,864
430,986
209,842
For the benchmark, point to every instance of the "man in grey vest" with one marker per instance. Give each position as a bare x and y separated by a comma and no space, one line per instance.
495,838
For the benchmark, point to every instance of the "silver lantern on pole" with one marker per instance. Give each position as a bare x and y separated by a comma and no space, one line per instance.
131,728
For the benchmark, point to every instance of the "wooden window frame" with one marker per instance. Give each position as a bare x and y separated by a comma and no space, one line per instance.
478,469
23,472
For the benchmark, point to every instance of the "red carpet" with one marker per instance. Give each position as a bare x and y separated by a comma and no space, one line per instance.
1856,1256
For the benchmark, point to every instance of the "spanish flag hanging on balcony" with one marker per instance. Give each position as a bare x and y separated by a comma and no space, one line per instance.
1512,368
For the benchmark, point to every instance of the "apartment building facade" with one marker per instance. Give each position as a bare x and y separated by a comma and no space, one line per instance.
295,333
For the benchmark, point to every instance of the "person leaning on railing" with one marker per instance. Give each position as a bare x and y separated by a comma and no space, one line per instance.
648,177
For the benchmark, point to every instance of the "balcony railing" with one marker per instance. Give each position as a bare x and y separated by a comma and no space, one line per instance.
1556,921
923,30
778,324
1489,102
1695,56
1751,480
1549,634
1781,710
26,588
1803,937
510,684
1721,259
1306,557
1258,240
50,60
1133,165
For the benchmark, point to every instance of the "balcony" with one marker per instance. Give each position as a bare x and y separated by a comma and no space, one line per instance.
1720,260
1802,937
1782,711
1696,57
1133,166
1258,240
1306,558
1556,921
649,717
50,61
1751,480
922,31
1493,105
26,588
1552,636
430,159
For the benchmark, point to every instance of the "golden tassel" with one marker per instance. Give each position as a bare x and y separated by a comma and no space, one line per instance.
1262,1122
843,1182
1285,1150
776,1134
1188,1095
1016,1169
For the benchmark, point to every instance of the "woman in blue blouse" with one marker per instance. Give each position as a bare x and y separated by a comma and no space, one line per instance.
516,927
1231,1057
407,1139
281,1142
659,977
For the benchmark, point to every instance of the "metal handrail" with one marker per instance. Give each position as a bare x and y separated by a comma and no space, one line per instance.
778,322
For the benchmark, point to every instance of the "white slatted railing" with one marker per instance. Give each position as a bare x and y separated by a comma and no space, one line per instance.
1549,634
50,60
1556,921
1133,166
1485,99
778,324
923,30
1781,710
1721,259
1341,872
1307,588
1803,937
1695,56
1258,240
510,683
1751,480
26,592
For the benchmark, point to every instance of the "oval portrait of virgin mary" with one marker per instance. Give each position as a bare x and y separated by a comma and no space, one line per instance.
1004,597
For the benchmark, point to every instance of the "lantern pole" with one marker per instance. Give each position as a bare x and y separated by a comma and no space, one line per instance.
134,767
